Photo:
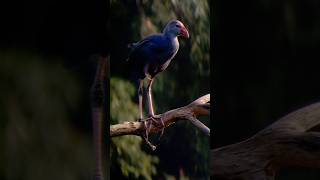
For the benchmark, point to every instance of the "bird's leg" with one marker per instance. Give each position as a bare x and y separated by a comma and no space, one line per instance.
140,94
145,135
150,105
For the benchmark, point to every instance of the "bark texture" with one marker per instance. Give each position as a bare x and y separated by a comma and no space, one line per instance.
98,106
201,106
292,141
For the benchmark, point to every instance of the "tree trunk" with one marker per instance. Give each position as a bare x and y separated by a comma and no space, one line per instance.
291,141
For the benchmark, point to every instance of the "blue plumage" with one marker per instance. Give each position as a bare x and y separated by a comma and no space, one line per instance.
151,56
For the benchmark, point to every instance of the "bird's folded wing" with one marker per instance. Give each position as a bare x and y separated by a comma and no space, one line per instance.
151,44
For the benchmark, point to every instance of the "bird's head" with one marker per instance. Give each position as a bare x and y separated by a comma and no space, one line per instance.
176,28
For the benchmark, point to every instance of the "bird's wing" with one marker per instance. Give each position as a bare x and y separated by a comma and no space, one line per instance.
134,47
151,44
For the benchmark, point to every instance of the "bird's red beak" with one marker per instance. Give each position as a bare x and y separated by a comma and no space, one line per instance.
184,32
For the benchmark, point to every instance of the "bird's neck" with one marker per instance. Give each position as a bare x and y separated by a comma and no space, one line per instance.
172,39
170,36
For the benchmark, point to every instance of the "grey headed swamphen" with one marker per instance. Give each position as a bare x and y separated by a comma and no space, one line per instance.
151,56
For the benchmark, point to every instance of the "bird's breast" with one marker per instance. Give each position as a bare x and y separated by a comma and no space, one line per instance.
172,49
163,60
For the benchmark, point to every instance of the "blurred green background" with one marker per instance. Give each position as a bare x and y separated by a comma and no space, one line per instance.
39,103
183,150
265,64
47,65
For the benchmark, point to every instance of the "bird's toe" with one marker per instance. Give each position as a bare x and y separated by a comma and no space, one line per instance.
157,120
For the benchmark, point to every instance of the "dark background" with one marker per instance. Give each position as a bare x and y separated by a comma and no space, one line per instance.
264,61
73,29
48,53
70,33
265,64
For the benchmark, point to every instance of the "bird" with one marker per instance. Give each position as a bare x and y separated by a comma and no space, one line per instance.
150,56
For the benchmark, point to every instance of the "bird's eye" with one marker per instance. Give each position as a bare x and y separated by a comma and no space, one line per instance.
178,26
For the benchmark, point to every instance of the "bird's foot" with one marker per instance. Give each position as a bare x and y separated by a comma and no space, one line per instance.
158,122
153,147
156,119
146,133
147,123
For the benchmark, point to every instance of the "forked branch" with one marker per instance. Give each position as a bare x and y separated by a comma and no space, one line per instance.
199,107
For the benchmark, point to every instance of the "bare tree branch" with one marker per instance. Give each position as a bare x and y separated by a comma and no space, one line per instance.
98,91
287,142
201,106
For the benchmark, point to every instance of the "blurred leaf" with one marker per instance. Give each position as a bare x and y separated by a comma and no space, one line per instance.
132,161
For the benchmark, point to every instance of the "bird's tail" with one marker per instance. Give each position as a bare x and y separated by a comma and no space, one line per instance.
131,46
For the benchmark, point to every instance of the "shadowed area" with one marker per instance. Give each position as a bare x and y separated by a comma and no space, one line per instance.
46,70
265,66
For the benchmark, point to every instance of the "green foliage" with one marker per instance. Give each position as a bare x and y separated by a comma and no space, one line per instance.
126,151
183,147
122,106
